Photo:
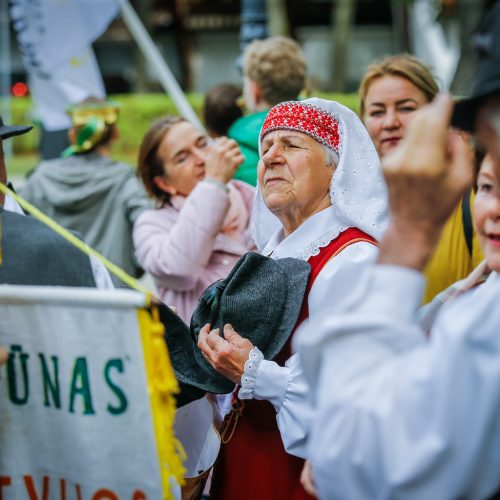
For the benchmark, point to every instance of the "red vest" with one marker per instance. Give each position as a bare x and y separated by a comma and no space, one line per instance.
253,464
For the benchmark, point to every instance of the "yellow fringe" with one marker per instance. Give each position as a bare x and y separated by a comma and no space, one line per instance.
162,386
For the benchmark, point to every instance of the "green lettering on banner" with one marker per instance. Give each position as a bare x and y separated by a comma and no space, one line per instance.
80,386
12,377
51,388
123,403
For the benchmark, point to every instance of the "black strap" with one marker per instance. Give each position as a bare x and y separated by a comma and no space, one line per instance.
467,221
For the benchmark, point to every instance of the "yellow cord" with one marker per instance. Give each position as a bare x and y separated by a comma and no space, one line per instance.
71,238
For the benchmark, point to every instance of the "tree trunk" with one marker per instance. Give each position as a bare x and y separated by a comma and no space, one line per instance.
400,26
144,11
343,18
277,17
180,12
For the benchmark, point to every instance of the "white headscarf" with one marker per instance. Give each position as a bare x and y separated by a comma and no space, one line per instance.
357,190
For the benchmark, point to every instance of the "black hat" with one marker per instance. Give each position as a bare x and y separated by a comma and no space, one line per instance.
261,298
487,76
7,131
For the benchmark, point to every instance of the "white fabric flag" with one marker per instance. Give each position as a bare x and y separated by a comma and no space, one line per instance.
75,414
72,82
55,38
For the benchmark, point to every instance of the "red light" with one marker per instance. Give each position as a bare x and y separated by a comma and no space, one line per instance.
19,89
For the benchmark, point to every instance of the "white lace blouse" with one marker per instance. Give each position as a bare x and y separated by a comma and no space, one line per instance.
285,387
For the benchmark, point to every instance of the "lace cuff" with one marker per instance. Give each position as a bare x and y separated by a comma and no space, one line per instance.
249,377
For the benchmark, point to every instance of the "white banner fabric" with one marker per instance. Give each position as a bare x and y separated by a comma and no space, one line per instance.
75,414
55,38
50,32
77,79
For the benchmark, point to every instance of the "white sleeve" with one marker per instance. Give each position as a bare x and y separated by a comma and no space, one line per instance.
101,276
397,415
286,387
340,277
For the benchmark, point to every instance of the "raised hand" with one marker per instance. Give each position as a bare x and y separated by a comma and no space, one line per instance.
223,160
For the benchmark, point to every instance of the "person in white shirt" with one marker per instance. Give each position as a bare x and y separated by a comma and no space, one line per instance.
398,414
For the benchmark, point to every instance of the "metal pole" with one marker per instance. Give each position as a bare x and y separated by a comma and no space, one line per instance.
5,68
253,24
153,55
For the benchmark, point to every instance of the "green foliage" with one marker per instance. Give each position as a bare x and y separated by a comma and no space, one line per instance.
137,112
21,115
349,100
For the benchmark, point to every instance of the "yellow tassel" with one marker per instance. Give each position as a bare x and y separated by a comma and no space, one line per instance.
162,386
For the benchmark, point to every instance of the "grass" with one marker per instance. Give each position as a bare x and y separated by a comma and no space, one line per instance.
21,164
137,112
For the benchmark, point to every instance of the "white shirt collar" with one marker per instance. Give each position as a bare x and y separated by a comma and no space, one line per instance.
11,205
315,233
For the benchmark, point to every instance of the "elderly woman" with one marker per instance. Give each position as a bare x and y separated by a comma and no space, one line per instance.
321,198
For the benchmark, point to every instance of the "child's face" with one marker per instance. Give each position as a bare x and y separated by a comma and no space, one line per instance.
487,213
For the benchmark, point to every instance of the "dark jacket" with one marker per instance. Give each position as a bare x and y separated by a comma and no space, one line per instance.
33,254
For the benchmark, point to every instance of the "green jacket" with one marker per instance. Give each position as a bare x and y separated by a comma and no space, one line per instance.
245,131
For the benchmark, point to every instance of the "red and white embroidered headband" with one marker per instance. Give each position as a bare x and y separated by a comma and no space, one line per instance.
310,120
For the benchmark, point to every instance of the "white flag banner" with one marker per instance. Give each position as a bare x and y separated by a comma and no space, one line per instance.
55,38
50,32
76,418
72,82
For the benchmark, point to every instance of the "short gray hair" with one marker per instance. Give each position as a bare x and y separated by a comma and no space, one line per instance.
331,157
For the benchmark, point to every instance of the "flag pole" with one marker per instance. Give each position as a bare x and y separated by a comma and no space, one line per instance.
153,55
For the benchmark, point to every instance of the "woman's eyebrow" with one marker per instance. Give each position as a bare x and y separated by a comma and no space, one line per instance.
407,100
283,138
377,104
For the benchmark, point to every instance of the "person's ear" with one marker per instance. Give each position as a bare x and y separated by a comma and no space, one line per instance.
72,135
160,182
256,92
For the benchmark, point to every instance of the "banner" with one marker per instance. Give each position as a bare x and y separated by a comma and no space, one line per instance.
72,82
86,408
55,38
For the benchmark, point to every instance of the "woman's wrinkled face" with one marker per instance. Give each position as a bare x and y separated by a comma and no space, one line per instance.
390,104
183,151
487,213
293,175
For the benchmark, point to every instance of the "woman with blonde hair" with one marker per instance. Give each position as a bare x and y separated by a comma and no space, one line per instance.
391,90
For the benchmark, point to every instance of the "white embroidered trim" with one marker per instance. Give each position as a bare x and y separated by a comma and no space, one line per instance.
315,247
249,377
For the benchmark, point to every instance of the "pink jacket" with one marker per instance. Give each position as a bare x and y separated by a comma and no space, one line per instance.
184,250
